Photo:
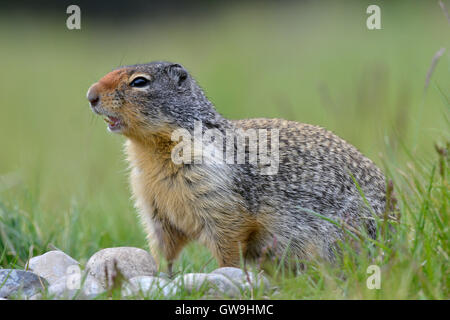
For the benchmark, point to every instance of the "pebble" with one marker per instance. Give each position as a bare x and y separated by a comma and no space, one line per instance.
217,284
130,262
19,282
52,265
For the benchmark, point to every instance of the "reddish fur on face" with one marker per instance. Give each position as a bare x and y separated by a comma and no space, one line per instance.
112,80
135,123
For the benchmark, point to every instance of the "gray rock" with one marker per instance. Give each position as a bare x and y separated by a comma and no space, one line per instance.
240,278
20,283
52,265
216,285
65,288
106,265
148,286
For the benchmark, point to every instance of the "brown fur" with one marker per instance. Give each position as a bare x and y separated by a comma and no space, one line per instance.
178,208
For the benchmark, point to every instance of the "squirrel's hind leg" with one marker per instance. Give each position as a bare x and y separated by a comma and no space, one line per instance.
228,244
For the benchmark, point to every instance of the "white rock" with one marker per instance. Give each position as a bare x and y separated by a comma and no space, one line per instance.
148,286
215,284
52,265
66,288
240,278
106,264
20,283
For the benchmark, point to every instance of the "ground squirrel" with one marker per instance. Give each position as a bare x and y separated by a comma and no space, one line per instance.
233,209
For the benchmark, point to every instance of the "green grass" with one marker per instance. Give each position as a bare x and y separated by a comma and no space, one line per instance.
63,178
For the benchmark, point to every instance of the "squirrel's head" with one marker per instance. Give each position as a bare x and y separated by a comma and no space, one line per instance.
157,97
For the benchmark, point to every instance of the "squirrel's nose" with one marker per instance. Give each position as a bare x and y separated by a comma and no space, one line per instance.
92,95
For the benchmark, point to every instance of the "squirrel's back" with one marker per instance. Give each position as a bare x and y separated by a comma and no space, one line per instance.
317,168
319,174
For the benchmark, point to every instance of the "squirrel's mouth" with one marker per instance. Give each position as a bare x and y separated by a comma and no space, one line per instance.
114,123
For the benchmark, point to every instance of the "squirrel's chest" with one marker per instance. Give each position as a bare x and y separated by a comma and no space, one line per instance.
187,197
163,197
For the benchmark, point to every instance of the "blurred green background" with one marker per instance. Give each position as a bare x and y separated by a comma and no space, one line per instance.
310,62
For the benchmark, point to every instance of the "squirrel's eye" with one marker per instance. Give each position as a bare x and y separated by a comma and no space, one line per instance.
139,82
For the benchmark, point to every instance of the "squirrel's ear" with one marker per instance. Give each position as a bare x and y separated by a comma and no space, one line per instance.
177,73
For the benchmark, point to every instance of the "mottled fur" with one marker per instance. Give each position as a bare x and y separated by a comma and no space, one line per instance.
233,209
